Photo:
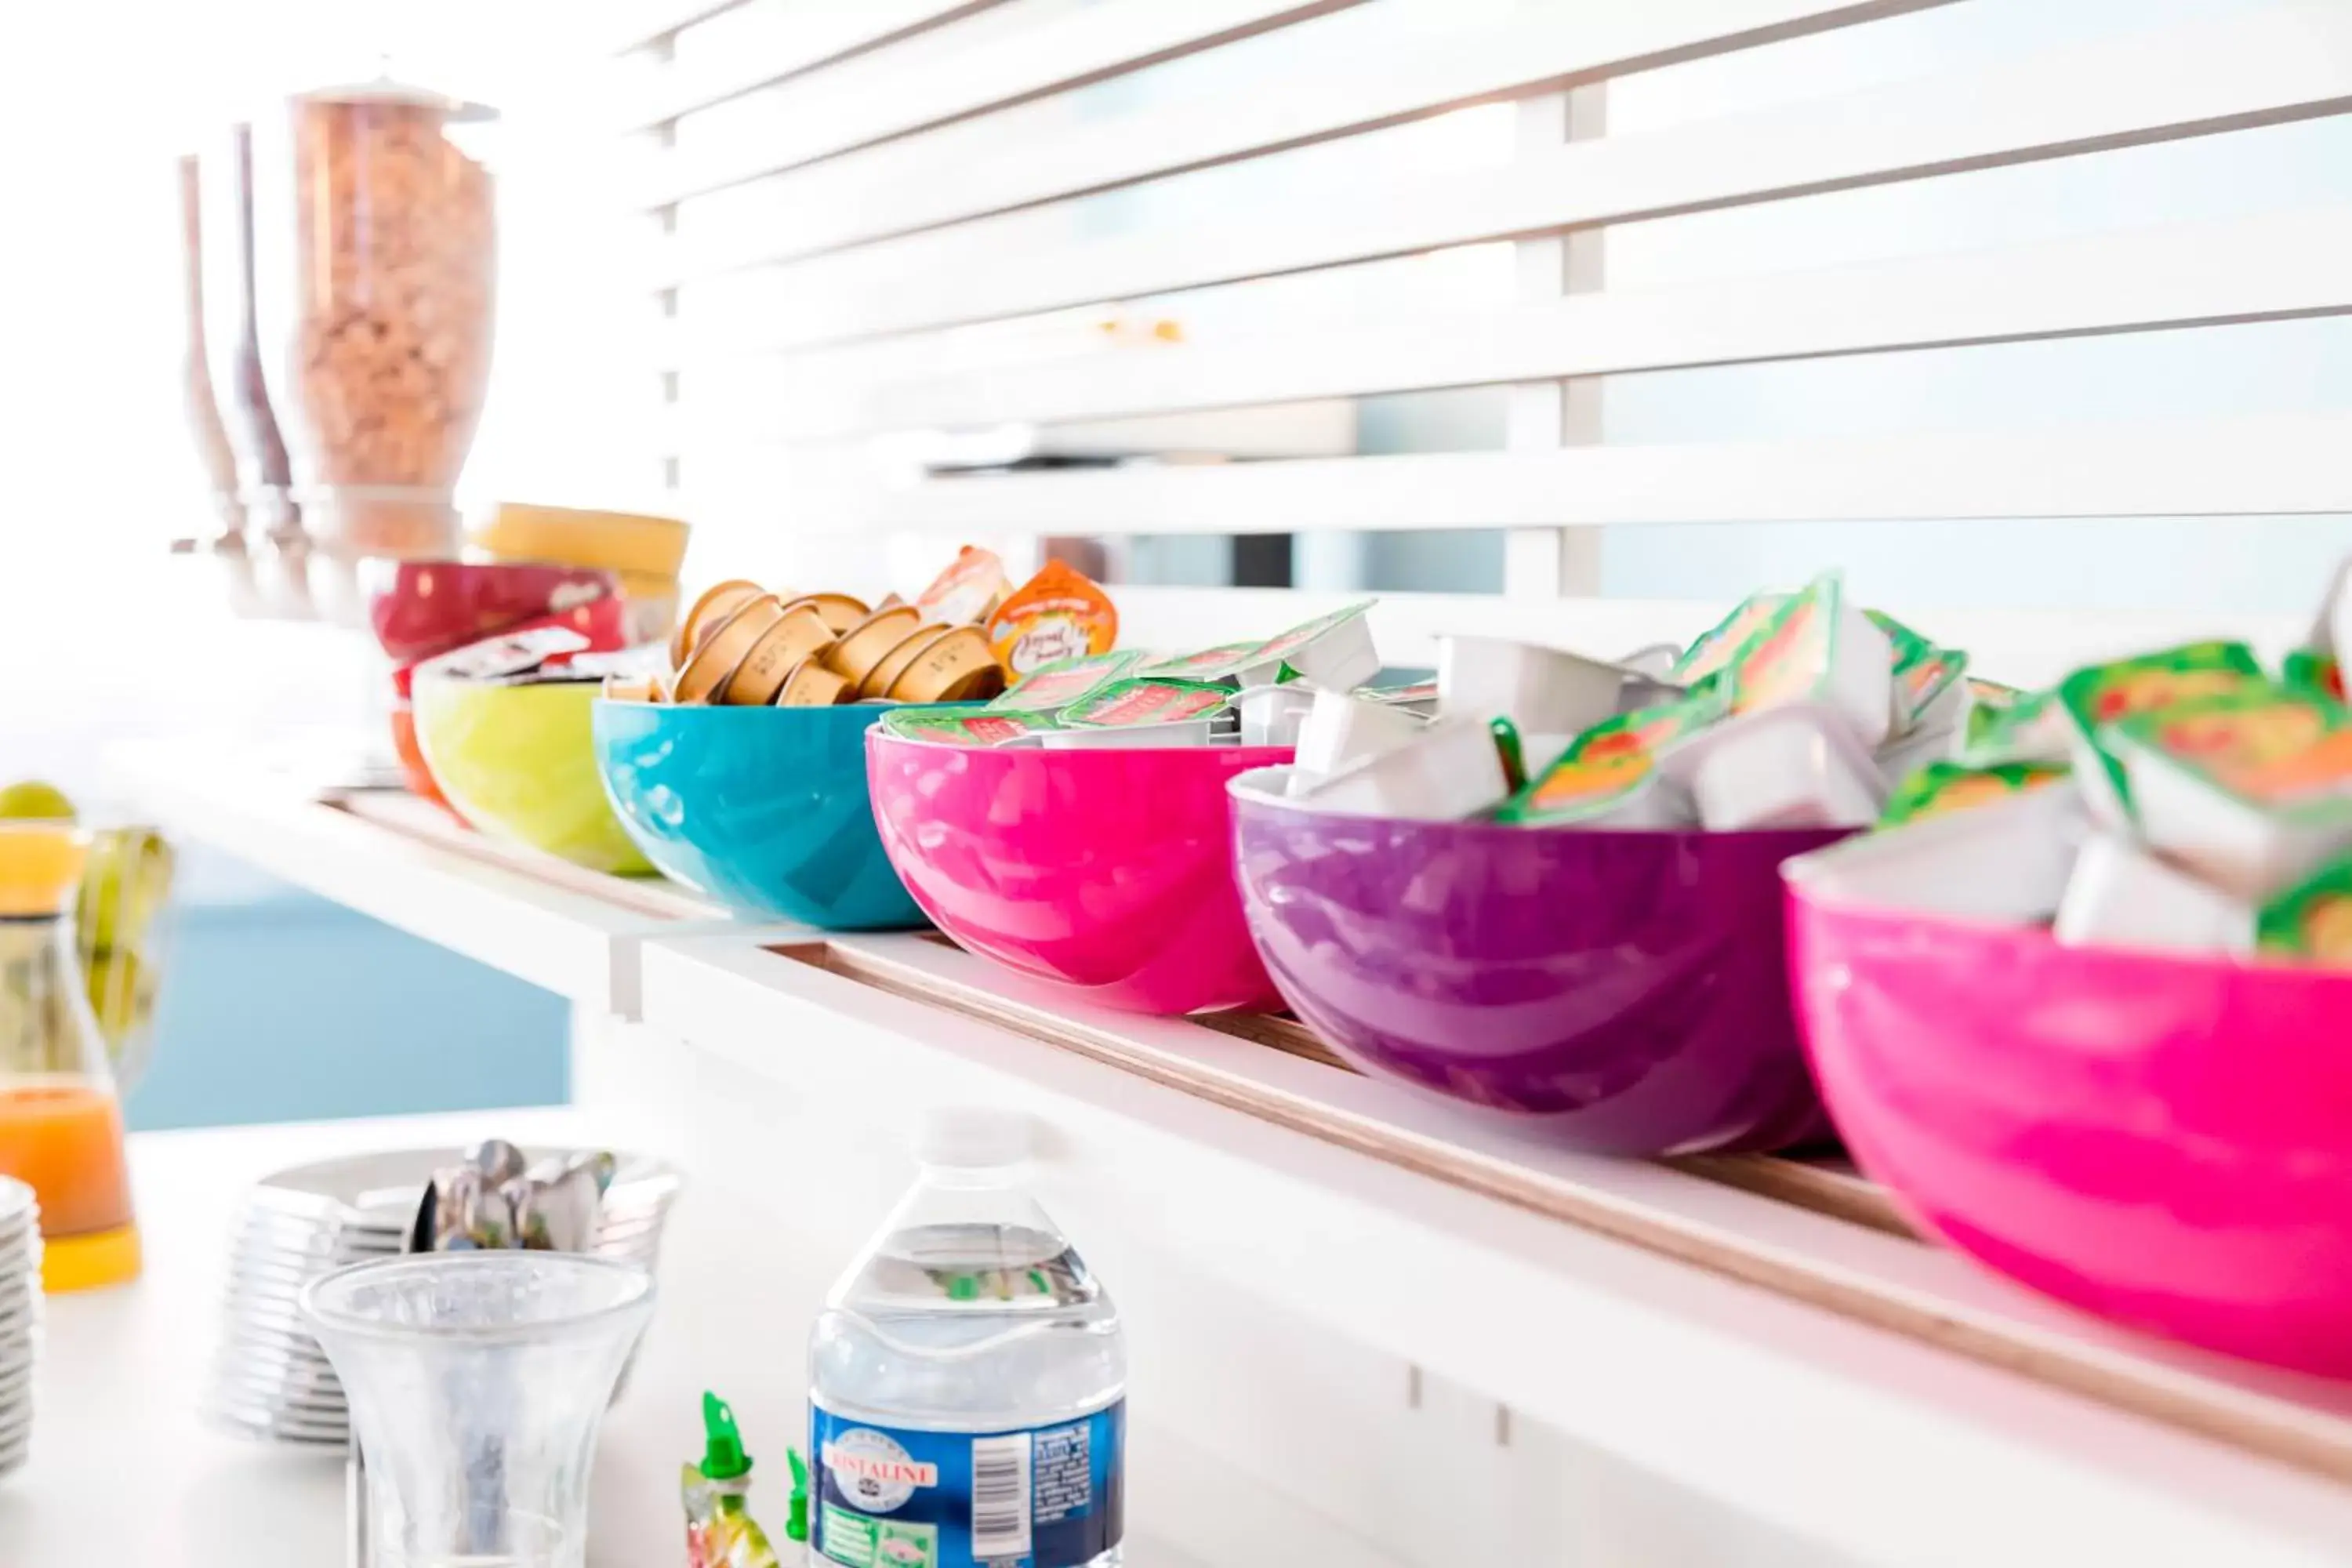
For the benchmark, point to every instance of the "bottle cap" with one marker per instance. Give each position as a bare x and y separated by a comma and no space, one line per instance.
723,1458
796,1521
40,865
973,1138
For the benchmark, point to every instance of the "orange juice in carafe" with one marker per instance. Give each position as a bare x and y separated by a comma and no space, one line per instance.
60,1122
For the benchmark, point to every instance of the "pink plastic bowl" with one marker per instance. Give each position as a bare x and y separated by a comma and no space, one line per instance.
2165,1141
1110,871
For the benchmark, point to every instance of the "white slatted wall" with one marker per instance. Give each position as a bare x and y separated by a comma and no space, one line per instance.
873,220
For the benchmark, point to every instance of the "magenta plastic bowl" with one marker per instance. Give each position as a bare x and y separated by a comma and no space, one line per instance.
2165,1141
1110,871
1625,992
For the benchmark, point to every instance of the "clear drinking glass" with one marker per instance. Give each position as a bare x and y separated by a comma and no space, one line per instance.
477,1382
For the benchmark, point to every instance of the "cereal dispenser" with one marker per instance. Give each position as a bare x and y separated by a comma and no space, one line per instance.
379,239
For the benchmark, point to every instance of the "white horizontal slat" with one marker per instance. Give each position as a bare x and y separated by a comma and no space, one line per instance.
1393,79
2022,648
830,33
1086,45
2268,267
2281,464
637,23
2282,63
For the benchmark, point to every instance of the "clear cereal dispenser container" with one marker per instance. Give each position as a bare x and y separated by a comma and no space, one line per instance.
378,234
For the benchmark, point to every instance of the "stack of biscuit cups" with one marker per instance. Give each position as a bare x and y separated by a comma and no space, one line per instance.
743,646
20,1319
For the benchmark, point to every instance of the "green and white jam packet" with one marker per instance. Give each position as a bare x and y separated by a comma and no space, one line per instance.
1419,694
2031,727
2252,789
967,726
1334,651
2099,694
2312,920
1057,685
1712,654
1141,700
1223,662
1608,776
1819,648
1941,788
2309,669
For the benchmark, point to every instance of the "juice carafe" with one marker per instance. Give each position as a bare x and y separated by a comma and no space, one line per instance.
60,1124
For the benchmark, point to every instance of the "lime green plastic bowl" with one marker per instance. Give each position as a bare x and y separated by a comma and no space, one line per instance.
518,762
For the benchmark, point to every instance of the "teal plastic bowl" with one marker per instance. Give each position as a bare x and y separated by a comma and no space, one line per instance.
764,809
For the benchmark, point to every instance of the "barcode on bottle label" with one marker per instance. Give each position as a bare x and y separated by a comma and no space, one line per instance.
1000,1496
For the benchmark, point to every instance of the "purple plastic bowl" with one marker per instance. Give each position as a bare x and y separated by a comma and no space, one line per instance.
1627,992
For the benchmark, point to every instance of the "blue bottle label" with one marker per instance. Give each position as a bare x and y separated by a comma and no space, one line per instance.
1038,1497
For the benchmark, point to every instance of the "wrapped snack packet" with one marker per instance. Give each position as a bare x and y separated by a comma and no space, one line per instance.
2098,695
2308,669
1057,615
966,726
719,1530
1608,777
1055,686
1140,701
2253,791
1819,649
2312,920
1713,652
1941,788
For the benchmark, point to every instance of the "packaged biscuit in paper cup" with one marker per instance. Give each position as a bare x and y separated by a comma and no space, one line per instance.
1059,686
1941,788
966,726
1057,615
2099,694
2251,790
1608,777
2312,920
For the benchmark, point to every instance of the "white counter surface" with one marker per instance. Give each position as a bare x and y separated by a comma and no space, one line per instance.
123,1471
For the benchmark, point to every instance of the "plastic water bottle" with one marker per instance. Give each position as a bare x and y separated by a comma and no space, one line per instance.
966,1379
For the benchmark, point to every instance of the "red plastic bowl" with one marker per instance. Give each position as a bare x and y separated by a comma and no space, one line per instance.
2165,1141
1109,871
420,608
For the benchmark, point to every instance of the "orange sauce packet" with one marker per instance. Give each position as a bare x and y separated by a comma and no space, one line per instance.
1058,613
967,592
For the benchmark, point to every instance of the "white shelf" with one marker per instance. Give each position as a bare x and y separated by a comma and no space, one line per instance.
399,861
1805,1362
1879,1444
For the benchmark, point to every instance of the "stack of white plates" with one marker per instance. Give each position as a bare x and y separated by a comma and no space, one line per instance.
20,1318
269,1379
